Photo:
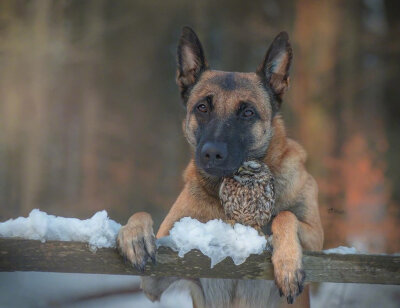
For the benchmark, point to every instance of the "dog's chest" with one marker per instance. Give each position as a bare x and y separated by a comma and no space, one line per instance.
239,293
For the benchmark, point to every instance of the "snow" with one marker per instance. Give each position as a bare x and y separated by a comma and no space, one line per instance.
215,239
343,250
99,230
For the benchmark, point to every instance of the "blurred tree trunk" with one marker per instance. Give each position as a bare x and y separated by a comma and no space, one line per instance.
391,104
10,112
37,123
391,108
92,102
316,37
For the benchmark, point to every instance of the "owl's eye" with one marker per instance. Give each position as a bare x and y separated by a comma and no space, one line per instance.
202,108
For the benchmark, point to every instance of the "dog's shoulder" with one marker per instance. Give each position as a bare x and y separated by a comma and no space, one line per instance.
286,158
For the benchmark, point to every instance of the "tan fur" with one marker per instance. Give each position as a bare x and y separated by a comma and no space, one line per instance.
286,158
227,100
297,224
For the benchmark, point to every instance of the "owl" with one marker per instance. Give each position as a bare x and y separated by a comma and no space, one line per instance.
248,197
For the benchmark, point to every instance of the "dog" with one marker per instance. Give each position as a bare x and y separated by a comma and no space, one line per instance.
232,117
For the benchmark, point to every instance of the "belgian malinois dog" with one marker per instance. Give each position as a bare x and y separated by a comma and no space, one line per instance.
232,117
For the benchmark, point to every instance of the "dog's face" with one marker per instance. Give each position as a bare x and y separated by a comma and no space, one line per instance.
229,114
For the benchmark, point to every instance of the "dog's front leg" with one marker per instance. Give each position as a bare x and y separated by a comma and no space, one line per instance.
287,255
136,243
154,287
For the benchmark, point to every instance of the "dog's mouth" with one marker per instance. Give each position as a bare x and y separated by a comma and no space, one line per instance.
219,172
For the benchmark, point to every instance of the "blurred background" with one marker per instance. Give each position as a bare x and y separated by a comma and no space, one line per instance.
90,116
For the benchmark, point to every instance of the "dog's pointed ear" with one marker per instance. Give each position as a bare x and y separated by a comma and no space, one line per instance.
191,61
274,70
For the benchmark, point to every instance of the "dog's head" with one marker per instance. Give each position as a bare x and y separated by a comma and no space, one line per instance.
229,115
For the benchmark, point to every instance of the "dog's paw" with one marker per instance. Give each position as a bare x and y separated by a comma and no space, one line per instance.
136,241
289,275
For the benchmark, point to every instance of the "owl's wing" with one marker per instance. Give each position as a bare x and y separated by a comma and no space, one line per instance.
221,193
269,190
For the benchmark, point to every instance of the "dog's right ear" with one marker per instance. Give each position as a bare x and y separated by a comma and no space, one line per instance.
190,60
274,70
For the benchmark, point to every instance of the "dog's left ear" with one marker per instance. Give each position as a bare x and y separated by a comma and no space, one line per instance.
274,70
191,61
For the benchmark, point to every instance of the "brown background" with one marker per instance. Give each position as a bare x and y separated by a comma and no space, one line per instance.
90,117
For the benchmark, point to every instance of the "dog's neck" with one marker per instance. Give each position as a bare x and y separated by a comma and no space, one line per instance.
273,158
277,147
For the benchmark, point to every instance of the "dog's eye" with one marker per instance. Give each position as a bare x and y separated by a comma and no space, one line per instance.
248,113
202,108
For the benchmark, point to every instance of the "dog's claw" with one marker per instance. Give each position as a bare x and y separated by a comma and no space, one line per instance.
153,258
141,266
301,284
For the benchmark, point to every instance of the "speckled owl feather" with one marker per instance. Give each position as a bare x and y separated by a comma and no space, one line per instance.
249,196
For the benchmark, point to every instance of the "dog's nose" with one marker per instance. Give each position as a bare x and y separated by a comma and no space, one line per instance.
214,153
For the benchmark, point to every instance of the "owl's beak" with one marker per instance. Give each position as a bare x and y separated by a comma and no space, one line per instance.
240,169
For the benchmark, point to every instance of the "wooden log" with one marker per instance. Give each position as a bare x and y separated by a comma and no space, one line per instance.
73,257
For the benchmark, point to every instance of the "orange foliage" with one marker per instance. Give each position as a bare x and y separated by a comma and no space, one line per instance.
360,199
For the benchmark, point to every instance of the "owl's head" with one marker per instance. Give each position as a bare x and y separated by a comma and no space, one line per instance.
253,171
